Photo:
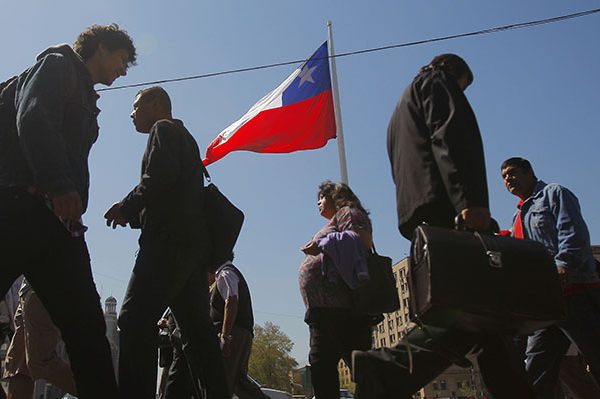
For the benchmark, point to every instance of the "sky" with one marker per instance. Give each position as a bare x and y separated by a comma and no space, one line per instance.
535,95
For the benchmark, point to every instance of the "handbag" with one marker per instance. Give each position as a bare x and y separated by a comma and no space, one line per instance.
224,223
482,283
379,293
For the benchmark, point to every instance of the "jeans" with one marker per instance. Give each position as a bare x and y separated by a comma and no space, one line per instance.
168,273
33,242
547,347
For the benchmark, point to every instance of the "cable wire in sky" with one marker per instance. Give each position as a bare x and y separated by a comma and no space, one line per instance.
371,50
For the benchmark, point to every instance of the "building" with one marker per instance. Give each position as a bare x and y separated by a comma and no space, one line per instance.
112,334
596,252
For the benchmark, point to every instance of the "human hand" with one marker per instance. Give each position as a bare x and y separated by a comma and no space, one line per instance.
114,217
563,275
311,248
67,206
226,345
476,218
163,323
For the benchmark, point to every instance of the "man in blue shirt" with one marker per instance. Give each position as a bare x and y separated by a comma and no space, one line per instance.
550,214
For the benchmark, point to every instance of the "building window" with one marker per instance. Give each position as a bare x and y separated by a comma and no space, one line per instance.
392,338
443,386
382,342
435,385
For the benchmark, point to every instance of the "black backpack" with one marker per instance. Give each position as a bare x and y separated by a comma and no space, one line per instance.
224,222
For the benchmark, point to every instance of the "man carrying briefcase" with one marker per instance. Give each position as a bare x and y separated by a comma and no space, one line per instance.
437,161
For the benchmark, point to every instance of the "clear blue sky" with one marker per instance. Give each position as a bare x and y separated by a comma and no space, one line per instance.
535,95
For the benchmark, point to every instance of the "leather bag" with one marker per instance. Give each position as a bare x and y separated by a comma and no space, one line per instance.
482,283
224,222
379,294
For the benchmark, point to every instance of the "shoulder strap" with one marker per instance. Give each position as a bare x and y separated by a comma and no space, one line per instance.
205,172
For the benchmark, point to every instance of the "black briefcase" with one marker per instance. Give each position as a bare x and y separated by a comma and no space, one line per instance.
482,283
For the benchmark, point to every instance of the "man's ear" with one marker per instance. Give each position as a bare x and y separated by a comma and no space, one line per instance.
102,50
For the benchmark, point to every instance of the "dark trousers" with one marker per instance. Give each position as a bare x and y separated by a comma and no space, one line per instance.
168,273
547,347
236,366
34,242
179,382
386,373
334,334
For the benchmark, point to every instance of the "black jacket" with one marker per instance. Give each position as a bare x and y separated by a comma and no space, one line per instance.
169,197
48,123
435,150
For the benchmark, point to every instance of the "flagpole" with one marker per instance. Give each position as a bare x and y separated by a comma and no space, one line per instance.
336,106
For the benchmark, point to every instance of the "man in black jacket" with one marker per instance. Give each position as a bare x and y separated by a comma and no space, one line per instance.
48,123
170,269
437,161
436,152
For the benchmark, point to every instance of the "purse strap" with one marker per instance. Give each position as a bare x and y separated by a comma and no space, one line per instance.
373,250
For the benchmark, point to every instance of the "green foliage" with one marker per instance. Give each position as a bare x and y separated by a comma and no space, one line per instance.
270,361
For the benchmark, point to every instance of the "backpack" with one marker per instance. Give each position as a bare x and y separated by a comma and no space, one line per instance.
224,222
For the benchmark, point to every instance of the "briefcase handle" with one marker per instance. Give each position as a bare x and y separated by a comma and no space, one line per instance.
489,246
459,224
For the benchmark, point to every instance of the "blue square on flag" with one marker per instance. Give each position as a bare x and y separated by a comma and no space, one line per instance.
312,80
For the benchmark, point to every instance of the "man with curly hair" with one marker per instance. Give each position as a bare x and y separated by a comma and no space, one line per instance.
48,124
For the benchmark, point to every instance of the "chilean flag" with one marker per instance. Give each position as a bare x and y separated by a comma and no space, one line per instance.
297,115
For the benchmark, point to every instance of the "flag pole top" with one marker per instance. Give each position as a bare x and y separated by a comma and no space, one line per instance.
336,106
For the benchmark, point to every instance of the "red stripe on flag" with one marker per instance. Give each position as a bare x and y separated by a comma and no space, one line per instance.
304,125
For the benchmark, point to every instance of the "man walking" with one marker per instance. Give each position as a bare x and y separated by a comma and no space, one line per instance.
550,214
231,312
437,162
170,269
48,123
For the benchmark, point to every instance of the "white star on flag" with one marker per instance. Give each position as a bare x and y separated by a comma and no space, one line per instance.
306,75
